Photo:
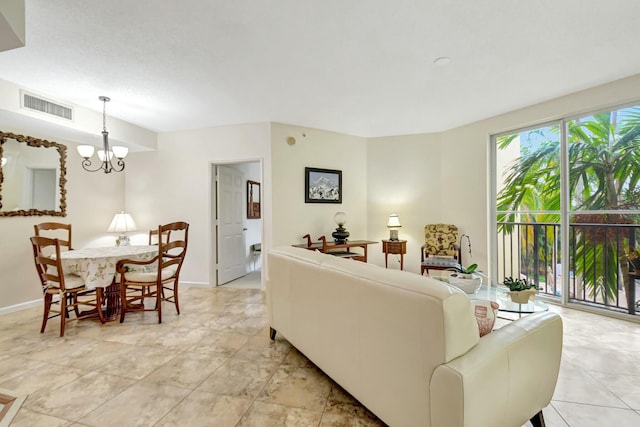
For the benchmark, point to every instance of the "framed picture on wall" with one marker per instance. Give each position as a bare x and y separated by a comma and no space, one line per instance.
253,200
322,185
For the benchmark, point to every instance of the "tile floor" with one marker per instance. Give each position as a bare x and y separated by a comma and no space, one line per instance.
214,365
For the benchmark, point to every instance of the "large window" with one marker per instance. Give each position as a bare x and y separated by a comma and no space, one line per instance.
580,175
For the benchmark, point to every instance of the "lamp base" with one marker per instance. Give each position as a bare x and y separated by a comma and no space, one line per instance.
393,235
123,240
340,235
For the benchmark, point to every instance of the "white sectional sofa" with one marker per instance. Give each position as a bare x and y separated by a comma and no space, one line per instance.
407,346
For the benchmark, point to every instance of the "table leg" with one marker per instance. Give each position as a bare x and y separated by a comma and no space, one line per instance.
112,298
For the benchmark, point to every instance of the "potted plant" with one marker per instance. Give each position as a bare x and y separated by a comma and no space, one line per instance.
520,290
466,279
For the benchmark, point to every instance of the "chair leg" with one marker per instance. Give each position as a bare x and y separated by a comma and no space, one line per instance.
99,299
123,301
48,299
63,311
66,312
74,301
538,420
175,297
159,302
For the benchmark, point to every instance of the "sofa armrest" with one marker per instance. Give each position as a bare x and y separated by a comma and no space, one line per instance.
504,380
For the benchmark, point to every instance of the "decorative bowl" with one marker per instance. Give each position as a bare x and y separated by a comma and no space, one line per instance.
469,283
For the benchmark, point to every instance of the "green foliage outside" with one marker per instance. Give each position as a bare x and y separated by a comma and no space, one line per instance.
604,159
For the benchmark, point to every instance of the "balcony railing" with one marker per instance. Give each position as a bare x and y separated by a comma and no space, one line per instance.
599,273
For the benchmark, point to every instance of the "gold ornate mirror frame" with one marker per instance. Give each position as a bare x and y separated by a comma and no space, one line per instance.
61,176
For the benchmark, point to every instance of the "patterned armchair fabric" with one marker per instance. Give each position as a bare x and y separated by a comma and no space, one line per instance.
440,250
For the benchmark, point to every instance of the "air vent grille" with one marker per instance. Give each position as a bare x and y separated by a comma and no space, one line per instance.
34,103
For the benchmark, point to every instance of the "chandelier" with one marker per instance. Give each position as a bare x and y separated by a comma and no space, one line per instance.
107,154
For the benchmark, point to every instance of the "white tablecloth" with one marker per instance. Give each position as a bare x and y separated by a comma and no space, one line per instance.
97,266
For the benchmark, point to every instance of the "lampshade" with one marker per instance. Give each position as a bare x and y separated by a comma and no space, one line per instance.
119,152
101,155
122,222
85,151
393,224
4,161
340,218
394,221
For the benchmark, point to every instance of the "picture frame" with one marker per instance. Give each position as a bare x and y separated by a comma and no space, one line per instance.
322,185
253,199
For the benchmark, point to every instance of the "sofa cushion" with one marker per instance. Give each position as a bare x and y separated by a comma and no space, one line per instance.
486,313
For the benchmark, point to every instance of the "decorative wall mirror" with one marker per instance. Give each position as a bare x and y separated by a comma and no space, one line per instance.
32,176
253,200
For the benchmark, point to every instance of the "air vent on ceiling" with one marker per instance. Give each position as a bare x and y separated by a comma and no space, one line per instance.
39,104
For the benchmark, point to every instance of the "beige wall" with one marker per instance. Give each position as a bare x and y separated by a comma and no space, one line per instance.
404,177
292,217
174,183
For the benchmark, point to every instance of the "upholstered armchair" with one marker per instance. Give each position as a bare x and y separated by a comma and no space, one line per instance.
440,250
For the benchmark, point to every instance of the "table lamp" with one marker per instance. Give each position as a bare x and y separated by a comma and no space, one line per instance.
393,224
121,223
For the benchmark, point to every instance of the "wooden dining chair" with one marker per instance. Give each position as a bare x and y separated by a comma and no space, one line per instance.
153,236
56,230
68,288
157,278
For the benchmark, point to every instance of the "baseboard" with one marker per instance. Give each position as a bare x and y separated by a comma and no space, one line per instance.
38,302
20,307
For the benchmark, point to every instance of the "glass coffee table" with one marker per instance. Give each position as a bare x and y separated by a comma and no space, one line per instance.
499,295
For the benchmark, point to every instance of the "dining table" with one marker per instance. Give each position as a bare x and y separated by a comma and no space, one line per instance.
97,268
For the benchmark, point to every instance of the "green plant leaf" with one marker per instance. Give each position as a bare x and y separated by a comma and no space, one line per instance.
470,269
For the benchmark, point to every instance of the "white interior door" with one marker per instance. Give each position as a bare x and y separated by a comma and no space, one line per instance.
231,240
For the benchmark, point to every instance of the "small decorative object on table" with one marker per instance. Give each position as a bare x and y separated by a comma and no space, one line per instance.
520,290
466,279
341,234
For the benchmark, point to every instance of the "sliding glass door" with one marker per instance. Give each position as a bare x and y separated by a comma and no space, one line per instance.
567,207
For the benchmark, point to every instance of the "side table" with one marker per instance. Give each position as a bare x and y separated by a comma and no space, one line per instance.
396,247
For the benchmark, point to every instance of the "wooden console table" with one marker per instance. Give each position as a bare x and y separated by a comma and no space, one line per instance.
342,250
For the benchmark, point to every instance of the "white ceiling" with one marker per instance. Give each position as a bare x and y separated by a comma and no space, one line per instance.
361,67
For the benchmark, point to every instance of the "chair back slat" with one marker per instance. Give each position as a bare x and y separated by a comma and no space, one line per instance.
46,252
153,236
174,250
55,230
